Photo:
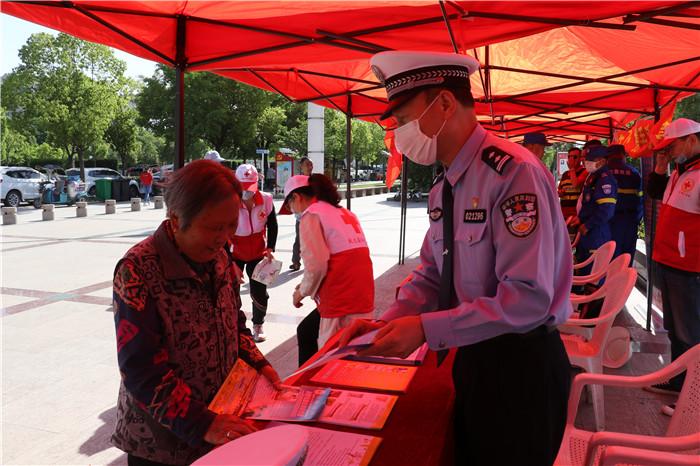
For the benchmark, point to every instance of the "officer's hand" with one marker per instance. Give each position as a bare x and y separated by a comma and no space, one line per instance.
357,328
398,338
583,229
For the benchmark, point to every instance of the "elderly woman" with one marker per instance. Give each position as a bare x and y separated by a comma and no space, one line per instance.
180,327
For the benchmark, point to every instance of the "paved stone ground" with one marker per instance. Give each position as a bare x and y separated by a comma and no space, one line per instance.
59,371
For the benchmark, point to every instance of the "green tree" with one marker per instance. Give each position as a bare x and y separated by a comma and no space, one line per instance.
689,108
121,135
64,92
219,113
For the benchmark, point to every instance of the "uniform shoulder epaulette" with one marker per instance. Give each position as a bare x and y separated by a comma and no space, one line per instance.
496,158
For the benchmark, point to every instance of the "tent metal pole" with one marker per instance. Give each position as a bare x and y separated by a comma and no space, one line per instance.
455,49
660,12
404,205
612,134
180,63
671,23
650,243
348,152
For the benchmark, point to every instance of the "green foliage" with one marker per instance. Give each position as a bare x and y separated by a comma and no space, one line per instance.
689,108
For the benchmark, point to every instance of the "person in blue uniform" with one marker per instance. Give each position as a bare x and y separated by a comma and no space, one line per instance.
598,201
630,203
496,268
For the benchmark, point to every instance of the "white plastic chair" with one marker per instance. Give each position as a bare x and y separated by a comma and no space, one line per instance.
581,447
625,456
588,353
600,258
621,262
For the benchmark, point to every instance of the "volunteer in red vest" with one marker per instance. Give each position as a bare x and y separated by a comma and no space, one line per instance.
337,267
255,239
676,252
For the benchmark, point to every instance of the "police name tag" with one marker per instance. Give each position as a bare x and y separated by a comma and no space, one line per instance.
475,216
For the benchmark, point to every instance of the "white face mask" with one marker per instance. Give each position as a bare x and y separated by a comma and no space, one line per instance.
412,142
591,167
247,195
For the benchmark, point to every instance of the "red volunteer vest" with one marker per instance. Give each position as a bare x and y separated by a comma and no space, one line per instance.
677,240
348,287
249,241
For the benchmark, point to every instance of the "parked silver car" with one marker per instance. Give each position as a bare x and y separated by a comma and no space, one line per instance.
99,173
20,184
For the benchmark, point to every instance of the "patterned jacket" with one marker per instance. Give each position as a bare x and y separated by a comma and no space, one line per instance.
179,332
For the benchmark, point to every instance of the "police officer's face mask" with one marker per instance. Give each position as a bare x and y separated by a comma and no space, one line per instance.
412,142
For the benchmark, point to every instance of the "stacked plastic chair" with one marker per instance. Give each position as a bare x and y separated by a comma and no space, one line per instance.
682,438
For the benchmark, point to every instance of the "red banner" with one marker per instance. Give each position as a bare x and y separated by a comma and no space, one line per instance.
640,139
393,166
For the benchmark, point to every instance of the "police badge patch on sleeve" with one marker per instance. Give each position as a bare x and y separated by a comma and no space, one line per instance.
496,158
520,214
436,214
607,188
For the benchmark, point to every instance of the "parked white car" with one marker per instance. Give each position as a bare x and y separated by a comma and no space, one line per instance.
20,184
99,173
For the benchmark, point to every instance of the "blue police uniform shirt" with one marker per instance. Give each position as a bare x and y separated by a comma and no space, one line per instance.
598,201
630,203
512,256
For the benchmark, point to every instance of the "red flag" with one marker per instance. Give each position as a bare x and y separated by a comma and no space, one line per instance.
393,166
657,132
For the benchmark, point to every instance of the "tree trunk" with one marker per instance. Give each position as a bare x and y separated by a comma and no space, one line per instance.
81,160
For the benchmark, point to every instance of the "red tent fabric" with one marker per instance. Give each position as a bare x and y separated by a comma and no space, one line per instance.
565,68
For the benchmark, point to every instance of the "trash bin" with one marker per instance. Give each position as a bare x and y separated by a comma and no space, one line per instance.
120,190
103,189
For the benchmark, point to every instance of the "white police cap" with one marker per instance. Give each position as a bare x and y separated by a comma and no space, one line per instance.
404,73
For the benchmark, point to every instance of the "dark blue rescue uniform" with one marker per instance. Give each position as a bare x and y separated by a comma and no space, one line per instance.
629,208
599,197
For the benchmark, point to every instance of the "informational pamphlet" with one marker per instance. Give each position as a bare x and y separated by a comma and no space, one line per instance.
414,359
355,374
357,409
352,348
334,448
266,271
248,394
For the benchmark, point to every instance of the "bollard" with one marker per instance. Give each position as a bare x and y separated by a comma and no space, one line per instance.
9,215
158,202
81,209
47,212
110,206
135,204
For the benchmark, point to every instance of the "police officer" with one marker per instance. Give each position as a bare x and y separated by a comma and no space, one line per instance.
597,205
630,205
496,268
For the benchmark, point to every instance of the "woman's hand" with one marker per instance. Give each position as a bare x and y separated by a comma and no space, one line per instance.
270,374
268,254
227,427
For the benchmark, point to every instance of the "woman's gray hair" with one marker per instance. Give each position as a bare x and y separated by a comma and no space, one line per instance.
196,185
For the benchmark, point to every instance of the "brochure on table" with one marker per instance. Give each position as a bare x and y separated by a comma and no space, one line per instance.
266,271
334,448
356,374
248,394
